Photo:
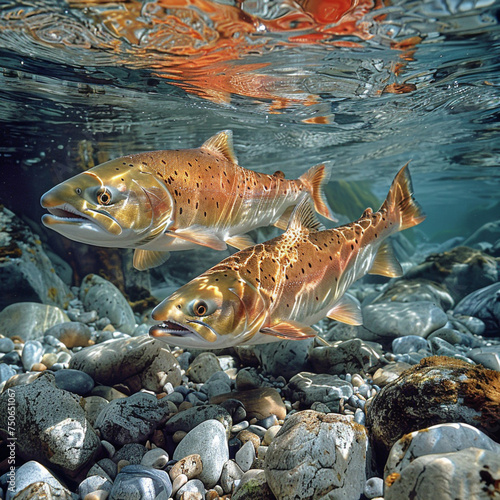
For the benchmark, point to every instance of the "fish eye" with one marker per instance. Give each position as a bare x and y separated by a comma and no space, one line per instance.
78,191
200,307
104,196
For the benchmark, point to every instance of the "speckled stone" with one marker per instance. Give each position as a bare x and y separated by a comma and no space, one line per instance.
285,358
188,419
471,473
309,455
132,453
50,426
253,486
259,403
203,367
231,472
93,483
101,295
438,390
132,419
71,334
349,356
29,320
117,360
191,466
93,406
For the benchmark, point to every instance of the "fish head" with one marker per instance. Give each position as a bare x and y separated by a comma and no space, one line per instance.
212,311
117,204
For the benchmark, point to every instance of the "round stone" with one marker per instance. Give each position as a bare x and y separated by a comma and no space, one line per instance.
74,381
32,354
139,482
156,458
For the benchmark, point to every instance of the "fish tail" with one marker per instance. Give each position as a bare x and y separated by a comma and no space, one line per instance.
400,203
314,180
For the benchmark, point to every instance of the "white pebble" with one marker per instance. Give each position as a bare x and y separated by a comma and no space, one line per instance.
178,482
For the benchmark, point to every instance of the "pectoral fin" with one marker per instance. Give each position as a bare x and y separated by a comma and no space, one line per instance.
199,235
347,310
385,262
290,330
147,259
240,242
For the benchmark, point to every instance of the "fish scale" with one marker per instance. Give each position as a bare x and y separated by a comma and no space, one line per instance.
279,288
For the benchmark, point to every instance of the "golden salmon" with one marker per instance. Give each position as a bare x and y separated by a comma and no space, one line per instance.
278,289
174,200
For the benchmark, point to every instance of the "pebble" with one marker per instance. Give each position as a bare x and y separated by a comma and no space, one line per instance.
270,434
139,482
6,345
156,458
240,426
6,371
32,354
245,456
374,488
231,472
208,440
408,343
97,495
189,466
188,419
247,378
179,481
93,483
74,381
203,367
259,403
71,334
133,453
194,489
488,356
253,485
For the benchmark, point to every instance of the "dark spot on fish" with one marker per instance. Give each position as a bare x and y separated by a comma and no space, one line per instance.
175,172
197,205
117,168
186,174
190,164
352,247
317,298
303,272
163,161
217,203
331,258
205,214
272,277
376,235
180,211
286,276
189,201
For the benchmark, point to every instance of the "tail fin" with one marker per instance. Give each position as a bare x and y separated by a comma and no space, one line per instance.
400,203
313,180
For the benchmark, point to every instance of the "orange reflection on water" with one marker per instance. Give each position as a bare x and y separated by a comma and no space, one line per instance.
201,45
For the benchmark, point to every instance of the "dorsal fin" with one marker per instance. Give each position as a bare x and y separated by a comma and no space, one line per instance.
222,144
303,216
385,263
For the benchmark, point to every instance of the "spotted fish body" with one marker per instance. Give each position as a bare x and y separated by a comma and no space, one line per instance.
165,201
278,289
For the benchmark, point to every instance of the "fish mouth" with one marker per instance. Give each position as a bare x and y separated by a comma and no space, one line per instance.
171,328
65,214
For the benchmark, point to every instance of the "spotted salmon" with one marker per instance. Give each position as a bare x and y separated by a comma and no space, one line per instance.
172,200
278,289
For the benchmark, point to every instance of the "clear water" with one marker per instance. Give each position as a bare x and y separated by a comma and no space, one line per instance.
363,85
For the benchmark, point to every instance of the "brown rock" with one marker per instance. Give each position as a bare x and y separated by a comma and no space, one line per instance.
191,466
259,403
438,390
245,436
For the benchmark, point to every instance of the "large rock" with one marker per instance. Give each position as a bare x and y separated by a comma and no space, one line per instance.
285,358
404,290
309,388
50,425
133,419
101,295
25,267
471,474
321,456
485,305
387,320
349,356
30,320
461,270
117,360
438,390
190,418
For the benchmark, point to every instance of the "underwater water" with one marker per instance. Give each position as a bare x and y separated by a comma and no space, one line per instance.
365,86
